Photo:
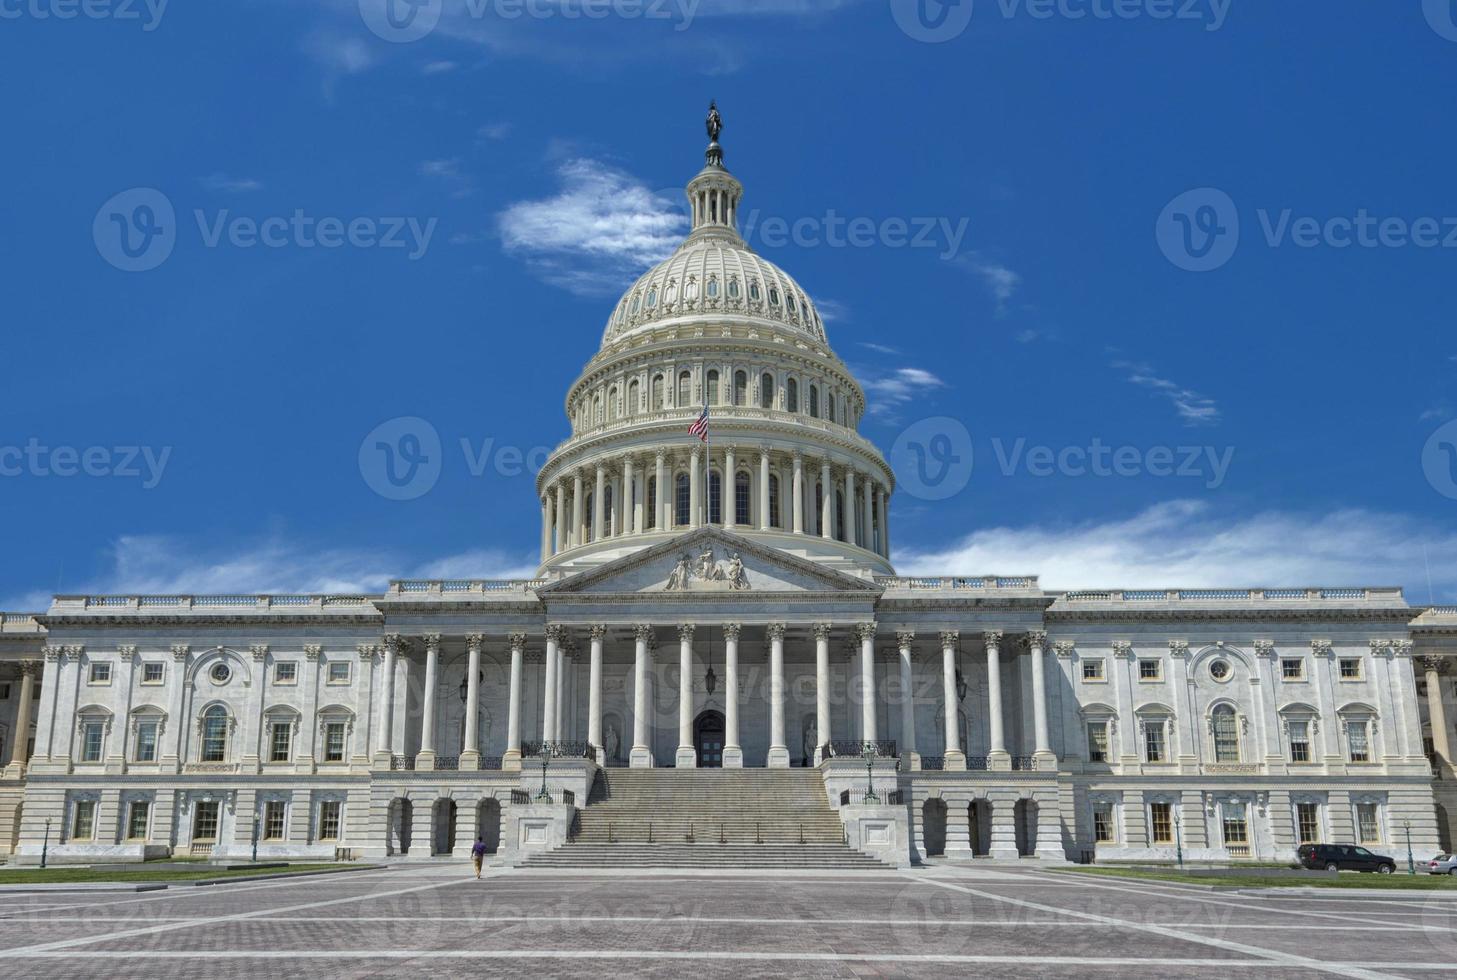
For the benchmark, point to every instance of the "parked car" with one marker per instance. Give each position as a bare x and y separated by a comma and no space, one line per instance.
1344,857
1442,864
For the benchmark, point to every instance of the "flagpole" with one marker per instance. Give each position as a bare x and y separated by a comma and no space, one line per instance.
707,466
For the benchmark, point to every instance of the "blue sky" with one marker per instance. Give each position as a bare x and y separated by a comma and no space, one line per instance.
523,170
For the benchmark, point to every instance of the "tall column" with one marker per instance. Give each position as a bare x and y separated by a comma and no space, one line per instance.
866,632
631,503
385,745
850,505
727,498
560,531
470,754
642,753
822,690
1036,641
578,502
426,759
827,501
545,527
764,506
21,736
512,758
594,696
548,698
955,755
1436,714
908,752
798,526
687,757
660,484
564,659
778,750
884,523
997,757
599,510
733,753
695,494
867,521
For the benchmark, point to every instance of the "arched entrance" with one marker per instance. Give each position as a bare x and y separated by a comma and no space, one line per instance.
444,826
488,824
708,731
402,825
933,827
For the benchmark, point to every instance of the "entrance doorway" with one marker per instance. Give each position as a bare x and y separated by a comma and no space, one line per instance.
708,731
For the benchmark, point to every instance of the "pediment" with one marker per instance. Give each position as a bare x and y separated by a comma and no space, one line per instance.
708,561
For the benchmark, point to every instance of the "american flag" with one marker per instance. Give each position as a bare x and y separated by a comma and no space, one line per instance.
700,427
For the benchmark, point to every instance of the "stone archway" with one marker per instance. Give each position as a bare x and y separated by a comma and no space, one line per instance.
933,827
401,826
443,836
1024,816
980,816
488,823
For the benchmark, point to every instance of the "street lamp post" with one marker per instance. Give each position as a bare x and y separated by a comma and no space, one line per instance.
45,844
544,796
1178,842
255,838
868,752
1411,866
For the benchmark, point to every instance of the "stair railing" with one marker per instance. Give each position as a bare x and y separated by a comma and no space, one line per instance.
757,838
650,831
721,839
690,833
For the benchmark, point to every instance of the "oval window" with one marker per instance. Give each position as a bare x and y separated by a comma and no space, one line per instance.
220,673
1219,670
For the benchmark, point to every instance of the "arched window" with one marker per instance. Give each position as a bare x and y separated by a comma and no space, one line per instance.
652,297
681,501
597,410
713,387
609,515
741,388
830,406
632,397
715,498
839,515
1226,734
766,390
774,501
214,735
685,389
651,517
814,402
733,289
587,516
712,288
791,400
741,498
612,403
815,520
656,393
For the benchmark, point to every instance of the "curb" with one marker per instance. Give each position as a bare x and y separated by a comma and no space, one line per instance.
102,887
273,877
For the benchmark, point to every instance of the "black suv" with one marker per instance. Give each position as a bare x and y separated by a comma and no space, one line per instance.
1343,857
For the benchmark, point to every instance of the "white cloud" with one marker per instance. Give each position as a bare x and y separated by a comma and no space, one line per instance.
439,68
880,348
999,280
602,228
1193,408
887,393
494,131
1439,412
229,185
1183,544
831,310
340,54
449,173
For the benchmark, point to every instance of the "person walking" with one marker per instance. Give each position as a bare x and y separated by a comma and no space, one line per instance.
478,854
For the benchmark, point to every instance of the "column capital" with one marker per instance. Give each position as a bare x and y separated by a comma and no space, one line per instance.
776,631
1122,649
685,632
598,631
259,652
1321,648
474,642
1401,648
395,643
554,633
1265,648
822,631
432,643
126,651
50,654
1063,648
367,652
179,652
731,630
1179,649
905,638
518,641
949,639
992,638
312,652
1035,639
866,631
29,668
643,633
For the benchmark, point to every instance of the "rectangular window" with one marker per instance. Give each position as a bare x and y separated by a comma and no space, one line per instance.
273,820
1356,742
1292,669
1103,823
334,741
1350,668
280,741
1307,822
91,737
137,818
1299,741
1236,830
741,501
5,692
1368,830
151,673
1153,741
100,674
339,672
1150,670
1161,822
682,502
285,672
1098,741
329,812
83,820
205,820
1092,670
146,747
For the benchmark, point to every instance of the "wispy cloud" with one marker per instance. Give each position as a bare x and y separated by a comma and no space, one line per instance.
449,173
494,131
602,228
230,185
889,392
1439,412
340,53
1001,282
1192,407
1183,543
832,311
1032,336
879,348
439,67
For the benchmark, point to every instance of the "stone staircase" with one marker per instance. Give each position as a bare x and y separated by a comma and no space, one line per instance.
708,818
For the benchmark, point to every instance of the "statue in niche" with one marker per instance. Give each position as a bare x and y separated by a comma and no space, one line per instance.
807,741
613,748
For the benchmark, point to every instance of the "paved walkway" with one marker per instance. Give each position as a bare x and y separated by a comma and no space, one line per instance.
925,923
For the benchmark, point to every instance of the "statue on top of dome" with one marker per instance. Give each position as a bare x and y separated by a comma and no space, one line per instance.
714,122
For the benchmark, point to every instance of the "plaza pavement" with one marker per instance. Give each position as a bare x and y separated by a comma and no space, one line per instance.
944,922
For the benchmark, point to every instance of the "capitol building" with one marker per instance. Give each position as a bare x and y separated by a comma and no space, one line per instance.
717,657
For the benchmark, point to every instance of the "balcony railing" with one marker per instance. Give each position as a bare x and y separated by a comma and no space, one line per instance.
884,749
402,763
558,750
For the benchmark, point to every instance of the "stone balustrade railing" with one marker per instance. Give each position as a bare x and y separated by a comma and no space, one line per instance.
186,602
463,586
978,583
1231,595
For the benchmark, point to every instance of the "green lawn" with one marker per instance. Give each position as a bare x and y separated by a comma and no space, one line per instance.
34,876
1398,881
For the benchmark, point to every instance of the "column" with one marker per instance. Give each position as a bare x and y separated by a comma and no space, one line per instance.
660,519
908,752
578,502
955,755
594,695
687,757
1043,757
545,527
470,754
733,753
631,503
642,753
867,520
822,690
560,532
884,522
176,693
426,759
565,657
866,632
764,508
385,745
997,756
21,736
849,505
695,516
798,526
599,512
778,750
512,757
1436,714
827,501
727,498
549,688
